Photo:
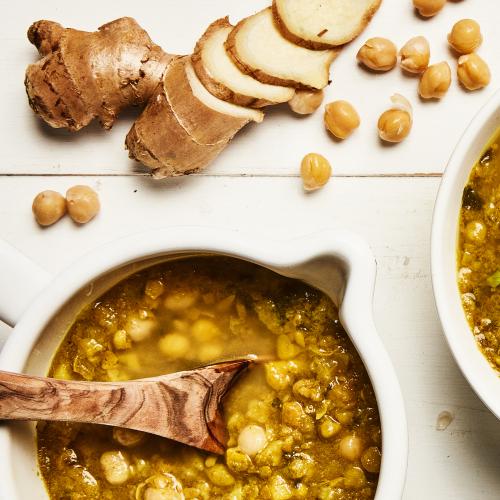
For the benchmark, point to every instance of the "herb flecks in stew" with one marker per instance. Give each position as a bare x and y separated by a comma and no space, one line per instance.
479,252
303,426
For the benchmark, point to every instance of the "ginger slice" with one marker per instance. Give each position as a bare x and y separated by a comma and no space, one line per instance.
222,78
323,24
222,107
258,48
184,127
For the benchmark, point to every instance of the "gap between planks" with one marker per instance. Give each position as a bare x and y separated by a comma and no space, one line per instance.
284,176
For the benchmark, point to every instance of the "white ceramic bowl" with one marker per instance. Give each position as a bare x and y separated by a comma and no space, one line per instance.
483,379
340,264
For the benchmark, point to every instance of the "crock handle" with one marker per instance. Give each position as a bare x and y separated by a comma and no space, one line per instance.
21,280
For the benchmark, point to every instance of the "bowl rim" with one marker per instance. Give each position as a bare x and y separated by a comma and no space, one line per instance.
472,363
356,313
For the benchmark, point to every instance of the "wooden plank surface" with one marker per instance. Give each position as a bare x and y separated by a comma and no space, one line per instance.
384,193
394,215
276,146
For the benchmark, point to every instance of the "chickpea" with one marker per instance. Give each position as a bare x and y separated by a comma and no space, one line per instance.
341,119
473,72
415,55
279,488
115,467
435,81
395,124
305,102
163,486
475,231
302,466
371,460
277,375
210,352
174,345
154,288
205,330
328,427
379,54
271,455
465,36
351,447
140,329
294,415
315,171
308,389
285,348
237,460
252,439
48,207
354,478
157,494
180,301
428,8
219,475
121,340
83,203
128,437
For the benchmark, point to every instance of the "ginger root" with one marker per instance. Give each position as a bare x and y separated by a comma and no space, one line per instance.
84,75
194,105
184,127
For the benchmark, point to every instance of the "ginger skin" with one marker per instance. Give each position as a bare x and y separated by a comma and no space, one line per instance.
83,75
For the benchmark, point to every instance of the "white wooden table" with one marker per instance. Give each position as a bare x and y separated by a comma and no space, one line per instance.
384,193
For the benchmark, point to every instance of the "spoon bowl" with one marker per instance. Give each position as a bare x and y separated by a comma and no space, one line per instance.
183,406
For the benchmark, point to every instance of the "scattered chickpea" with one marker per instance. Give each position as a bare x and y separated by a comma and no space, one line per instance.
48,207
428,8
395,124
415,55
306,102
315,171
83,203
465,36
473,72
341,119
379,54
435,81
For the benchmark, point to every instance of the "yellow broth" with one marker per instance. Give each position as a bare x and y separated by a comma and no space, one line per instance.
304,425
479,252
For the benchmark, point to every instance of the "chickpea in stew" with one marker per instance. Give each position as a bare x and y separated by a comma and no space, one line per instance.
479,252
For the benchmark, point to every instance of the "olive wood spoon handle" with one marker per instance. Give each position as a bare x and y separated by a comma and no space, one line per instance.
183,406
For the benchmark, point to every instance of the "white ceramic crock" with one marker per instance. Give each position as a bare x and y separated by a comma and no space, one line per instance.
340,264
483,379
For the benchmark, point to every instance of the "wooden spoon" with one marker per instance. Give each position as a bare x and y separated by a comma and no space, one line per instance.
183,406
